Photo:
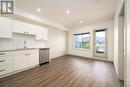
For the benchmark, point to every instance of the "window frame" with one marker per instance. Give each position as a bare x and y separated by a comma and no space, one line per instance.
82,42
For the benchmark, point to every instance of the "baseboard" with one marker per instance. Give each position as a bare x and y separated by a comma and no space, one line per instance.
101,59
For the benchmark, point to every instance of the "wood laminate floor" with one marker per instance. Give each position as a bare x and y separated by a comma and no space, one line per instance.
66,71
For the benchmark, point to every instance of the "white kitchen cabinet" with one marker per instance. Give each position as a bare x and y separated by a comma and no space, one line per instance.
5,28
5,70
8,26
20,60
19,27
25,58
39,34
42,33
6,62
32,29
22,27
33,57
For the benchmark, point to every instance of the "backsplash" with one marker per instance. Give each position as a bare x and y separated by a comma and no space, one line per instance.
18,42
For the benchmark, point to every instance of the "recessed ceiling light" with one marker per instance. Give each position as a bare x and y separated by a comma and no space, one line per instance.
80,21
38,9
67,12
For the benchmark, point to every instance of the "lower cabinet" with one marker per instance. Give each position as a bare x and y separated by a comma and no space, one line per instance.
5,69
18,60
5,62
33,56
24,59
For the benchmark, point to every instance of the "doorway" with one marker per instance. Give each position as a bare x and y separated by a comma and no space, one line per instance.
100,43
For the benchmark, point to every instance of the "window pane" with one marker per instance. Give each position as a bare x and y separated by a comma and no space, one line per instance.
78,41
86,41
82,41
86,45
100,42
85,37
78,45
78,38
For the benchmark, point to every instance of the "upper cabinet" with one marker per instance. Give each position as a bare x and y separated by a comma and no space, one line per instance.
8,26
41,33
5,28
22,28
26,28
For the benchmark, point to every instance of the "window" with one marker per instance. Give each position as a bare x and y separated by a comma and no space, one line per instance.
82,40
100,42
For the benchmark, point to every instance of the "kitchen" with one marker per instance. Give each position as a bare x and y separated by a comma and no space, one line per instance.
64,43
22,45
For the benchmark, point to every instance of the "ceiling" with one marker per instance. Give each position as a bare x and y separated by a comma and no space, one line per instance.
88,11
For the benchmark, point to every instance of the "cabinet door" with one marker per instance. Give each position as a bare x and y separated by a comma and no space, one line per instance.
39,33
32,29
5,28
22,28
5,69
5,62
20,60
18,27
42,33
33,57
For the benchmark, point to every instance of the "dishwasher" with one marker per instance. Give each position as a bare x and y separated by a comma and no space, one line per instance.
44,55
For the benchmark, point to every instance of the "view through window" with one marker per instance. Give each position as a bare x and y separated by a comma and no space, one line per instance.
100,41
82,40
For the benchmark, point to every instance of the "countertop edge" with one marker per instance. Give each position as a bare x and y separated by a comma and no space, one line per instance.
22,49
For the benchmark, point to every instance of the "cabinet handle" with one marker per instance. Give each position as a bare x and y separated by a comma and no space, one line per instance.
29,54
26,54
2,61
2,53
2,70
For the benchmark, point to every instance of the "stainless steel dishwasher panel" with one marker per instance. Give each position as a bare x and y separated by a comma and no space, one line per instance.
44,55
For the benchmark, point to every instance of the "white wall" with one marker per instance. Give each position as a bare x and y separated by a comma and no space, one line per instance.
57,41
119,41
127,39
127,83
109,24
